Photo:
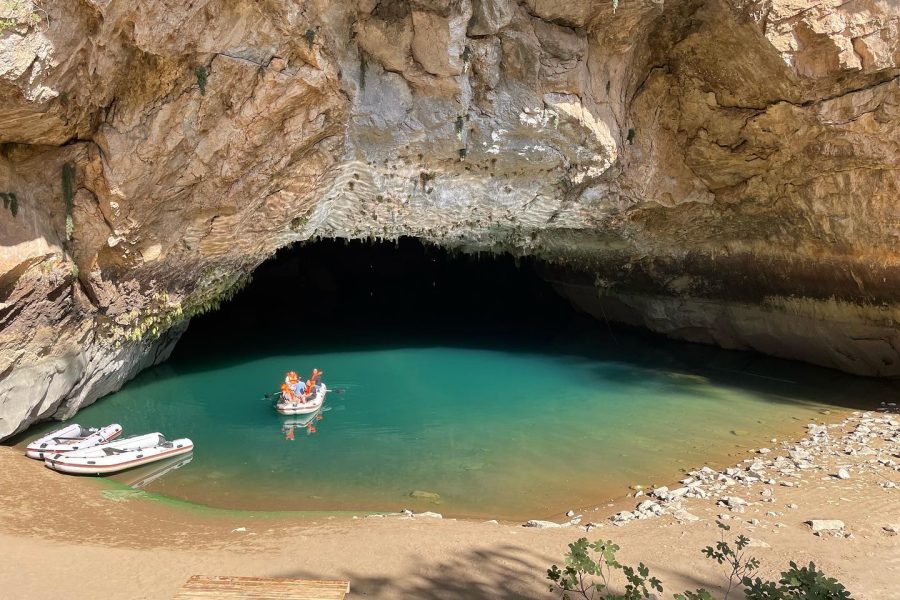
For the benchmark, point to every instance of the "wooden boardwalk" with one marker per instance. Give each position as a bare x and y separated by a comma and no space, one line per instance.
274,588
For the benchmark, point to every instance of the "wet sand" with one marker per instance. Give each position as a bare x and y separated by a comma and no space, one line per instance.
62,533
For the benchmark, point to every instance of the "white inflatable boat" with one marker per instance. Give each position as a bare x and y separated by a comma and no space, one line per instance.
120,455
288,407
70,438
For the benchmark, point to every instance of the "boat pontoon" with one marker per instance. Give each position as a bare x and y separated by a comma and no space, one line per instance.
70,438
287,406
118,456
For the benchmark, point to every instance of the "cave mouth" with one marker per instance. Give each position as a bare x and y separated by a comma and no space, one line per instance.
337,293
459,383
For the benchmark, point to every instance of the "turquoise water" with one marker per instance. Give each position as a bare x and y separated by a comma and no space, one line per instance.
470,380
494,433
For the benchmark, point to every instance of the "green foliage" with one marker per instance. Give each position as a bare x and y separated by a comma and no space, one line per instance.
579,563
588,577
202,75
738,565
163,311
797,583
310,36
700,594
68,192
19,12
459,128
11,202
631,134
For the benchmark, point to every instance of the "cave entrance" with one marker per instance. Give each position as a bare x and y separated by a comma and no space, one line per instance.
459,384
337,294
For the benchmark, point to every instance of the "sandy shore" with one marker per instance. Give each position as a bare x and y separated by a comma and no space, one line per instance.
62,533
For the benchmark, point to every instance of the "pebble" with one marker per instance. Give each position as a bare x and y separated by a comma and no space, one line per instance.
733,502
683,515
843,474
892,528
620,518
542,524
828,525
570,513
792,505
239,530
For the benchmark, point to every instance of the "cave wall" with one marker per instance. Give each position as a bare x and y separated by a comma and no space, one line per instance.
724,171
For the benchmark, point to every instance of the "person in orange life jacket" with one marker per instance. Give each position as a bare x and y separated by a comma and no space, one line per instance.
299,389
313,380
292,388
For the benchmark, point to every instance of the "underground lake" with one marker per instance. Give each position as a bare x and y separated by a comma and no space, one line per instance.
460,384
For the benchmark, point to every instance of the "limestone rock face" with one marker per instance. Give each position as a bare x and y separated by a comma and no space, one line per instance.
724,171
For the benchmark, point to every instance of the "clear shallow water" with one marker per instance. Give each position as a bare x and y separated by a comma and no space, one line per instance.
462,377
496,433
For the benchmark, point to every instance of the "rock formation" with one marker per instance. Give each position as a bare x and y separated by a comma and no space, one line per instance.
723,170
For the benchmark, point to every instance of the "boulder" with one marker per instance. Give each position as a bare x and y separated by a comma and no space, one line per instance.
827,525
537,524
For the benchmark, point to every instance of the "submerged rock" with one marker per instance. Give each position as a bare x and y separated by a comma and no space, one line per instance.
432,497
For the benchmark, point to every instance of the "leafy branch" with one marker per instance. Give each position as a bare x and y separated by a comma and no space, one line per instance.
590,571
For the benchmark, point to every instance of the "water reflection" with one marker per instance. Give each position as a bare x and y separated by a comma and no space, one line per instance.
291,425
144,476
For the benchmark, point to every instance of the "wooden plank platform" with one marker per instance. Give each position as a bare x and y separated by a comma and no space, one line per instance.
275,588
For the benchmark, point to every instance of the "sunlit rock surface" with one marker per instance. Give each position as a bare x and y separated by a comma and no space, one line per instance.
722,171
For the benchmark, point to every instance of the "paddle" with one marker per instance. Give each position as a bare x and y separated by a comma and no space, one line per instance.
278,393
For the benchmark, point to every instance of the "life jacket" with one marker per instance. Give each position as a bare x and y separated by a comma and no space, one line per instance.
288,392
313,380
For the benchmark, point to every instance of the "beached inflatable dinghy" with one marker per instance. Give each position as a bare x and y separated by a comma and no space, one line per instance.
288,406
118,456
70,438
